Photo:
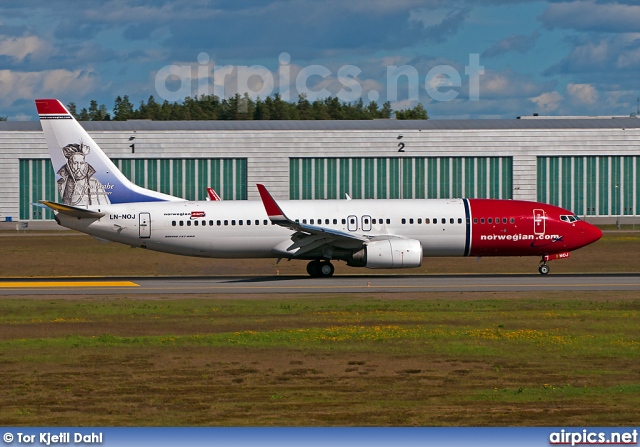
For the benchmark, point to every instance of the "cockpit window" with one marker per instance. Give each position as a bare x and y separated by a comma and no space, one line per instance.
569,218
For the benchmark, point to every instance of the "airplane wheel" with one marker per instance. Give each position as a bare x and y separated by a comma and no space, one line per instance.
543,269
326,269
314,269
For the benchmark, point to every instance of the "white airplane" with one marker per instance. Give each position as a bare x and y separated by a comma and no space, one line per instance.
97,199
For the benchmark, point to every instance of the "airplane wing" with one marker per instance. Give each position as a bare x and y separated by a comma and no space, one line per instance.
308,238
80,213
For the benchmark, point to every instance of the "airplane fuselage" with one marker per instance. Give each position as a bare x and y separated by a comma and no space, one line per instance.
242,229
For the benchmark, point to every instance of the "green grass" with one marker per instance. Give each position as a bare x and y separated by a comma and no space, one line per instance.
414,359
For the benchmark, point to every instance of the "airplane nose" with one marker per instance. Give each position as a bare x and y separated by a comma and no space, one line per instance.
591,233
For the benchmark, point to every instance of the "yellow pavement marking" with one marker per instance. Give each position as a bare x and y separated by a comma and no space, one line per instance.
40,284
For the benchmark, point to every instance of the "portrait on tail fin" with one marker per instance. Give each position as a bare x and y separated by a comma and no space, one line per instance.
76,184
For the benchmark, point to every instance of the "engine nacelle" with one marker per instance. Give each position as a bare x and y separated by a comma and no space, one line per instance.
390,254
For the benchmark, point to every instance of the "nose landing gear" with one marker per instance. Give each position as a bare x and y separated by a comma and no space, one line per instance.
543,268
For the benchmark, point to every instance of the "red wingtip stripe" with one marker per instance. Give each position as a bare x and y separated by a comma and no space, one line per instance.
50,107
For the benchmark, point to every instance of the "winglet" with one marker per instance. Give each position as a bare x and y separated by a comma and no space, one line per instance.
212,195
275,213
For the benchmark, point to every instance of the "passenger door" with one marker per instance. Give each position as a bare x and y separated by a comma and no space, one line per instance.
144,223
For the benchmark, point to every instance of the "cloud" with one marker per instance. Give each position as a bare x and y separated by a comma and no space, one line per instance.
611,17
15,85
18,48
547,102
516,42
611,54
582,93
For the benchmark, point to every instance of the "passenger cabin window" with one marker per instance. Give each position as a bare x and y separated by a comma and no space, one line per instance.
475,220
388,221
451,220
195,223
444,221
173,223
482,220
490,220
504,220
188,223
459,220
512,220
426,220
266,222
404,221
419,220
335,221
411,221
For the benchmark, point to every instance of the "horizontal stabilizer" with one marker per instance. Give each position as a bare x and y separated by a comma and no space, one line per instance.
80,213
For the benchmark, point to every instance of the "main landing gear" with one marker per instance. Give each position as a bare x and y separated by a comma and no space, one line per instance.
543,268
320,269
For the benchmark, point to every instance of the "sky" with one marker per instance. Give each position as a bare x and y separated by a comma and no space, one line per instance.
461,59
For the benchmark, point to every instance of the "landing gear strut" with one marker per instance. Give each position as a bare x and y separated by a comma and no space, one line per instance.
320,269
543,268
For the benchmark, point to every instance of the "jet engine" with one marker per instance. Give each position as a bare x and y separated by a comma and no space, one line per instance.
389,254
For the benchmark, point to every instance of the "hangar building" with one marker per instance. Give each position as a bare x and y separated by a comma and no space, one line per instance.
588,165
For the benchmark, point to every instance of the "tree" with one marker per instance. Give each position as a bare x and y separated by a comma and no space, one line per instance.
416,113
72,109
3,118
122,109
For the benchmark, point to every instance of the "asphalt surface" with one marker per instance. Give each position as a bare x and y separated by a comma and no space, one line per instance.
274,286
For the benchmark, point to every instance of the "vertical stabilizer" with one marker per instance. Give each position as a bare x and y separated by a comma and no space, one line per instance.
84,174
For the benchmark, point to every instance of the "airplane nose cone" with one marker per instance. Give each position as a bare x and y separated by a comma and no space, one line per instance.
591,233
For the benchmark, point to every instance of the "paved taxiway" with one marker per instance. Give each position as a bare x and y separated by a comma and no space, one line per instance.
279,285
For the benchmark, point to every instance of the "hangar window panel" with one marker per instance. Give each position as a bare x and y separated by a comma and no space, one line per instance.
345,188
369,178
637,183
25,185
294,179
469,177
177,177
152,174
420,176
394,178
165,176
407,178
554,180
566,182
190,179
216,180
542,180
432,178
591,185
445,179
616,186
578,186
240,179
481,185
400,177
457,177
628,186
203,179
138,176
381,178
494,177
332,178
356,178
319,180
228,185
603,186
